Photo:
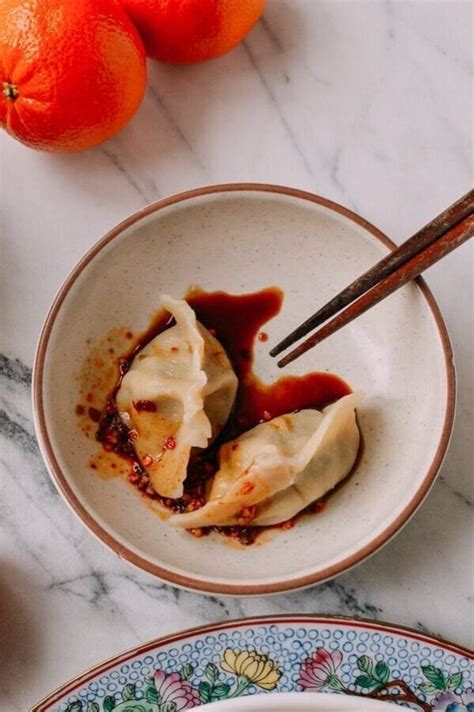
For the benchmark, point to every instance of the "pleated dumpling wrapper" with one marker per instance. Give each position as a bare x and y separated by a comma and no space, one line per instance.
177,395
278,468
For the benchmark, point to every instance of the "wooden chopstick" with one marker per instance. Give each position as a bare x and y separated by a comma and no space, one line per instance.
451,239
459,210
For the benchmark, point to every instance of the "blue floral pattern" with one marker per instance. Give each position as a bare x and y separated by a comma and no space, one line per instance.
295,653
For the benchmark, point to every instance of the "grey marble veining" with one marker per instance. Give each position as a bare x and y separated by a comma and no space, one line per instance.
366,103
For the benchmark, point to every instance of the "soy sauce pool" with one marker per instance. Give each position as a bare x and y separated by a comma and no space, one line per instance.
236,321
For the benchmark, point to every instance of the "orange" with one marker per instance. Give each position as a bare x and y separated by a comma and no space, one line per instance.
72,72
183,31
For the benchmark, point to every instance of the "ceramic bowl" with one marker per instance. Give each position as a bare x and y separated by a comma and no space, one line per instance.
298,702
241,238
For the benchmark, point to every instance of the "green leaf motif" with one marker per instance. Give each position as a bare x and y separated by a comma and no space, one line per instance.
128,692
220,691
334,683
435,676
168,707
134,706
152,695
382,672
427,688
92,707
108,703
74,707
211,672
186,671
205,691
365,664
366,682
455,681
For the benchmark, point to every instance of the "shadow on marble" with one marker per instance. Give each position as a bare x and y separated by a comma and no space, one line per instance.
456,472
184,102
21,644
174,131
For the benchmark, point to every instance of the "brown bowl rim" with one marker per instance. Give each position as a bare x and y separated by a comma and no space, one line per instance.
190,582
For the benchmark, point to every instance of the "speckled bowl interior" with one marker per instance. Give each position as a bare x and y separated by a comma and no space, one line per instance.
241,240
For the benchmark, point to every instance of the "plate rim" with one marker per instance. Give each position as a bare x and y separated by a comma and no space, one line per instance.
188,581
289,618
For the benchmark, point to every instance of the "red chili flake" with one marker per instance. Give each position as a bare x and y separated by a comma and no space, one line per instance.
247,487
266,415
145,405
134,478
111,438
197,532
93,466
80,410
110,406
147,460
195,504
263,336
94,414
246,515
235,446
319,506
247,535
144,482
129,335
288,524
170,443
133,434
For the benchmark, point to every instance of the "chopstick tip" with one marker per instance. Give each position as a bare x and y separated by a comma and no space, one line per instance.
283,344
284,361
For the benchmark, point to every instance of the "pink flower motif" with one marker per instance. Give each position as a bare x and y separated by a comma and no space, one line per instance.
320,670
171,688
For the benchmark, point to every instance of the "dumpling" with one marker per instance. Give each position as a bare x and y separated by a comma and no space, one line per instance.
278,468
177,395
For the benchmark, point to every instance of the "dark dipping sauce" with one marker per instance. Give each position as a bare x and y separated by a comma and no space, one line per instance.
236,321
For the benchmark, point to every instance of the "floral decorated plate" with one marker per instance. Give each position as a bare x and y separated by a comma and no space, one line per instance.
257,656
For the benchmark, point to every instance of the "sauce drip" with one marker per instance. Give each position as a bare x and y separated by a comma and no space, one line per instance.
236,321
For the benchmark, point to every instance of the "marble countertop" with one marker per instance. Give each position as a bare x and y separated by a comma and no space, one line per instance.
366,103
